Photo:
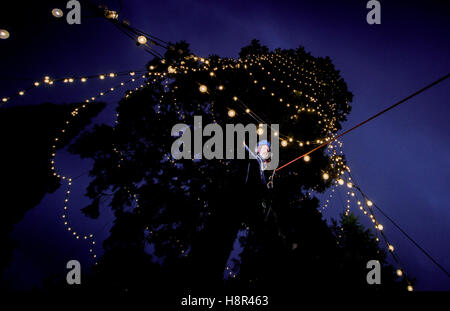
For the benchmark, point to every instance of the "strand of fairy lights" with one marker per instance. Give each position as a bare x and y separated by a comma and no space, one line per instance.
65,215
368,211
47,80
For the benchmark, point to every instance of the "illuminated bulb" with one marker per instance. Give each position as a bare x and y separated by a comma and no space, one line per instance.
4,34
325,176
170,69
380,227
260,131
112,75
284,143
399,272
102,77
306,158
349,185
235,98
83,80
340,181
248,111
369,203
410,288
4,99
36,83
203,88
391,248
212,74
231,113
57,13
21,93
142,40
151,68
220,87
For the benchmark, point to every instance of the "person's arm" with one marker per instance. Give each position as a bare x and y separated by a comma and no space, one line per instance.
249,151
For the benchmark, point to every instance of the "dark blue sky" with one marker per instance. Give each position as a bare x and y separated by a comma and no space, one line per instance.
400,160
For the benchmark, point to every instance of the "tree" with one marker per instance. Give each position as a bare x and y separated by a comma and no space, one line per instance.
176,221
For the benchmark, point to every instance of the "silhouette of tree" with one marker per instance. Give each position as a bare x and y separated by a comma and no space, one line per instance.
180,233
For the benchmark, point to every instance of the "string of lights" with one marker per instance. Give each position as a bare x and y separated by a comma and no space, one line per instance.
65,216
48,81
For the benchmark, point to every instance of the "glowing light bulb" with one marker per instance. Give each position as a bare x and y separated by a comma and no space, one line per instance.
399,272
231,113
391,248
260,131
248,111
83,80
349,185
284,143
410,288
220,87
4,99
203,88
380,227
340,181
307,158
102,77
235,98
325,176
142,40
369,203
36,83
112,75
4,34
21,93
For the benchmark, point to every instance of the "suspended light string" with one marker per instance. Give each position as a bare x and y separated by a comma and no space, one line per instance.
69,180
369,119
47,80
371,203
369,213
405,234
135,34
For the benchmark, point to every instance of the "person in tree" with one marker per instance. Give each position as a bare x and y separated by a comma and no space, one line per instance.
262,155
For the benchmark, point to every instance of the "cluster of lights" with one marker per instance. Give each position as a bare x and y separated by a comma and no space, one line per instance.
184,68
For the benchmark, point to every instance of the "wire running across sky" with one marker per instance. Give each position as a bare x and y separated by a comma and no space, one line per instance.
369,119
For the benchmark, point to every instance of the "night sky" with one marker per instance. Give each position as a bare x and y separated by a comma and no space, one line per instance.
400,160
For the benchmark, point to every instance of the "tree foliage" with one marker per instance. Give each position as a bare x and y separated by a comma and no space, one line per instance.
180,232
